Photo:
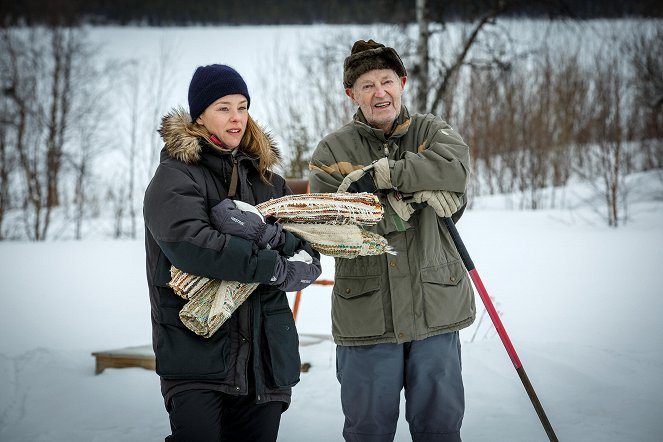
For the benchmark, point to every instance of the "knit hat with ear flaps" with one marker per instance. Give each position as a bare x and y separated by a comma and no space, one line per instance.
368,55
209,83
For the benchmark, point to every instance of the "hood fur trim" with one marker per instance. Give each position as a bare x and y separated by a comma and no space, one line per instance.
180,143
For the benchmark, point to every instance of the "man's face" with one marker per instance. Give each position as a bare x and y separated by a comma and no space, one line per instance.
378,94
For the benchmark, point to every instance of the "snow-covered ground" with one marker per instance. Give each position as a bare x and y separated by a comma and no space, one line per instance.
580,301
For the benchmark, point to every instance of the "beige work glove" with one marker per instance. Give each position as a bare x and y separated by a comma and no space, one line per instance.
403,209
368,179
443,202
382,174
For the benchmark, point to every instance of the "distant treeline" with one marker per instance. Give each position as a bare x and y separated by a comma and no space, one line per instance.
263,12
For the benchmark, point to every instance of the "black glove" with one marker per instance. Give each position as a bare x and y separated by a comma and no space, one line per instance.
296,273
228,219
360,180
376,175
419,206
291,244
363,184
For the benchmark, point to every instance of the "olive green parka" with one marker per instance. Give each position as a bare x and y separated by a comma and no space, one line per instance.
424,289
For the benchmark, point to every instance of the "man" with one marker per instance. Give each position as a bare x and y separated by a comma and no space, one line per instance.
395,318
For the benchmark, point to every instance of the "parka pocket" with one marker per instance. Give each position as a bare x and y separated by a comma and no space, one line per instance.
181,354
447,294
281,355
357,309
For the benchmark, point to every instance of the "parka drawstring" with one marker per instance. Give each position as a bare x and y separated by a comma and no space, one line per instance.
232,190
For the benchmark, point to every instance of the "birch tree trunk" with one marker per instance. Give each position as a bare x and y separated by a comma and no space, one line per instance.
423,59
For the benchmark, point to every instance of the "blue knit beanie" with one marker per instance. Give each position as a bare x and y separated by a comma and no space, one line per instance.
209,83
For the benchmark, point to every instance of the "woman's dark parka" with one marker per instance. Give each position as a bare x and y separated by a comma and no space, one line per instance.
259,342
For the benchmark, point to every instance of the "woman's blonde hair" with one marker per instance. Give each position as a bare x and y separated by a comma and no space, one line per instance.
255,143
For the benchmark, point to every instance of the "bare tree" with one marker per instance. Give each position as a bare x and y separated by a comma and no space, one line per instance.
116,197
47,74
5,164
423,57
92,120
7,159
20,66
90,142
644,54
436,67
142,91
156,95
306,104
133,100
522,124
63,49
131,152
300,147
608,159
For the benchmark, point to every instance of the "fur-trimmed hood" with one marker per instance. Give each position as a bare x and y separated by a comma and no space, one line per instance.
182,144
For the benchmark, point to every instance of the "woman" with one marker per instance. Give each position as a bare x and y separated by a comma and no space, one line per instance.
234,385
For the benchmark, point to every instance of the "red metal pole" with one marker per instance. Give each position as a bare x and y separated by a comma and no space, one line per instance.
495,317
501,331
295,308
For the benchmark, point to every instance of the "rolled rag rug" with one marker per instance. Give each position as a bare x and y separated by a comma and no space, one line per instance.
340,241
328,221
325,208
211,301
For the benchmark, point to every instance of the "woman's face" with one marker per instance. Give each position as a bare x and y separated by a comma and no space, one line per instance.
226,118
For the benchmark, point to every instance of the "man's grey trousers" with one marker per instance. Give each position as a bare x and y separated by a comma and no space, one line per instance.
372,377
